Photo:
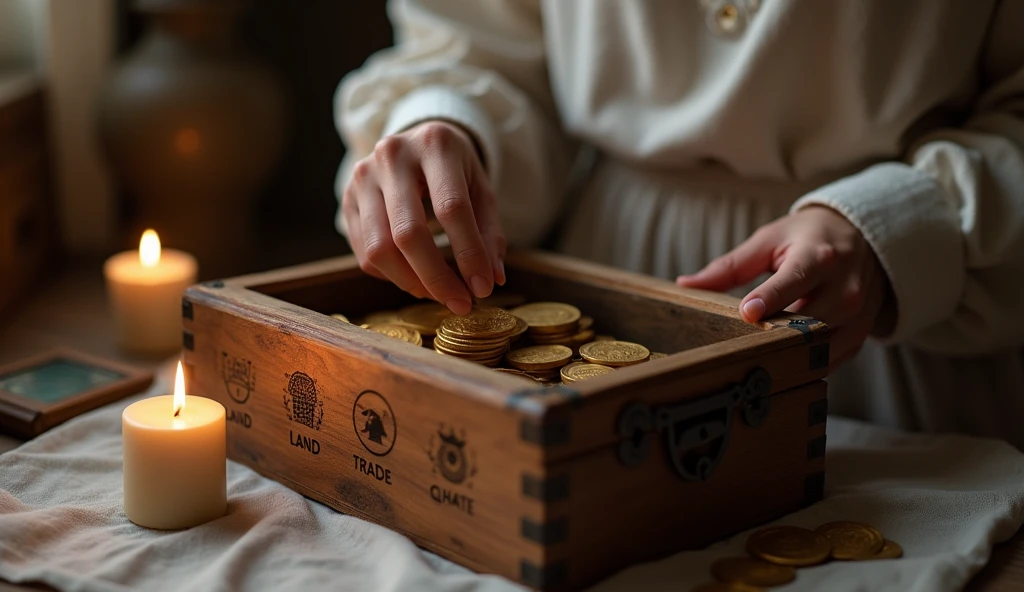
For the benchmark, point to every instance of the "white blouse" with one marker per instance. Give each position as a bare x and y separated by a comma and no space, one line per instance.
906,115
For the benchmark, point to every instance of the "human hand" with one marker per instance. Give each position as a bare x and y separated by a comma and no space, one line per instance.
387,221
824,268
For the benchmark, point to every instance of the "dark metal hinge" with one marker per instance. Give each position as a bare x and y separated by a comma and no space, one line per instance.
186,309
188,340
547,433
547,533
548,490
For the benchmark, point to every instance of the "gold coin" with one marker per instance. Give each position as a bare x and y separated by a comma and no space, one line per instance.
461,343
727,587
548,317
789,545
539,357
576,371
756,572
603,338
381,317
341,318
401,332
425,318
481,323
890,550
442,346
521,328
614,353
586,323
852,540
657,356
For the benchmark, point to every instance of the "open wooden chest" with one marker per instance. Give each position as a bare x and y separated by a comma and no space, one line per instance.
555,487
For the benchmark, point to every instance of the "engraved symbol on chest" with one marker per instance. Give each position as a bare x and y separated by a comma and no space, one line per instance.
239,378
374,423
302,401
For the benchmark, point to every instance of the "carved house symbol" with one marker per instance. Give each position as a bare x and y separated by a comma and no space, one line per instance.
302,389
374,428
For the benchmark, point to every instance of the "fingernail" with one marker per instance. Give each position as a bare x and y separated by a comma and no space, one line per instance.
501,272
481,287
753,310
458,306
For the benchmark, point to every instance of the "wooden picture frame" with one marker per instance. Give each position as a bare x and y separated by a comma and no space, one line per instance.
26,417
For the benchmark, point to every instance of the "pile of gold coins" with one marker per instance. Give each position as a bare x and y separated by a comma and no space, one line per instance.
549,342
776,552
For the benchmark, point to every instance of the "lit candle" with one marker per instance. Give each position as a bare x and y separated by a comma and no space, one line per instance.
175,471
145,290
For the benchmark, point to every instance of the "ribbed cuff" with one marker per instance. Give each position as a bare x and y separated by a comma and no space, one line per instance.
914,230
440,102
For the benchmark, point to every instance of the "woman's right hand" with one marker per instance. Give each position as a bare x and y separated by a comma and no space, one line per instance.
387,221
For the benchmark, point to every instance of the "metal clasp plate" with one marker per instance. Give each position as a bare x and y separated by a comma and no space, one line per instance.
696,432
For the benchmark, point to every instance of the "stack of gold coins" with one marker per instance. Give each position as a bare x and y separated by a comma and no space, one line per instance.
577,371
615,354
482,336
396,331
542,362
550,323
778,550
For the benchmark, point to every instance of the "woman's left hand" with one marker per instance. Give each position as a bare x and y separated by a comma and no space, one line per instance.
824,268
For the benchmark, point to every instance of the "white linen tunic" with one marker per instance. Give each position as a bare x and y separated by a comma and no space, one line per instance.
713,117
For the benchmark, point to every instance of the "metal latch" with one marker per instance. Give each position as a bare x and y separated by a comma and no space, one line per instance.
696,432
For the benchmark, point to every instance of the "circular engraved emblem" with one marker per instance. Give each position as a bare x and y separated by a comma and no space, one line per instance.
451,459
374,423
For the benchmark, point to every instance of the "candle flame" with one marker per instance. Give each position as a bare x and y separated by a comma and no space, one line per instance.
149,248
179,390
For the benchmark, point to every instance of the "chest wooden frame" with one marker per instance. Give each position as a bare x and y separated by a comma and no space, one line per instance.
555,487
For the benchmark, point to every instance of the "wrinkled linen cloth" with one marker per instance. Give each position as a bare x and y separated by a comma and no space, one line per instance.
946,499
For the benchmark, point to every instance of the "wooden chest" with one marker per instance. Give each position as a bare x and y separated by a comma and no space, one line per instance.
554,487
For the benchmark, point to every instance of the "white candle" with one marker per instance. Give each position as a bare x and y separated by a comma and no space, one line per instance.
145,290
175,471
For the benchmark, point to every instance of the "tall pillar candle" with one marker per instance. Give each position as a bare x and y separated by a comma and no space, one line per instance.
175,461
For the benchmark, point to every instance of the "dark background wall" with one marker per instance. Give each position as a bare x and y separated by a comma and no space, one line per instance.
312,44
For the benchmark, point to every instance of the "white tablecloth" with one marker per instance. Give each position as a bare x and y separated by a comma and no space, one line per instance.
945,499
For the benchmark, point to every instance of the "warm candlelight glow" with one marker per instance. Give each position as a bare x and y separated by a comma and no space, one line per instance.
179,391
149,249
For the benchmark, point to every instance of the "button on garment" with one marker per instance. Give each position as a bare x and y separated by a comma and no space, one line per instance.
729,17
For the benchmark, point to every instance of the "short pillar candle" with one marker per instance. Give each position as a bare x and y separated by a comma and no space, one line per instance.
175,471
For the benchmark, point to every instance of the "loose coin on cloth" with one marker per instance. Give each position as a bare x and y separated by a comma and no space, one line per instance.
789,545
755,572
852,540
890,550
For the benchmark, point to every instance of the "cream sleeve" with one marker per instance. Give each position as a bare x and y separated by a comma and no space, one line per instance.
480,64
948,222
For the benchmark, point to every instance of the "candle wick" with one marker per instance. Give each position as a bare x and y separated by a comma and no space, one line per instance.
177,412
